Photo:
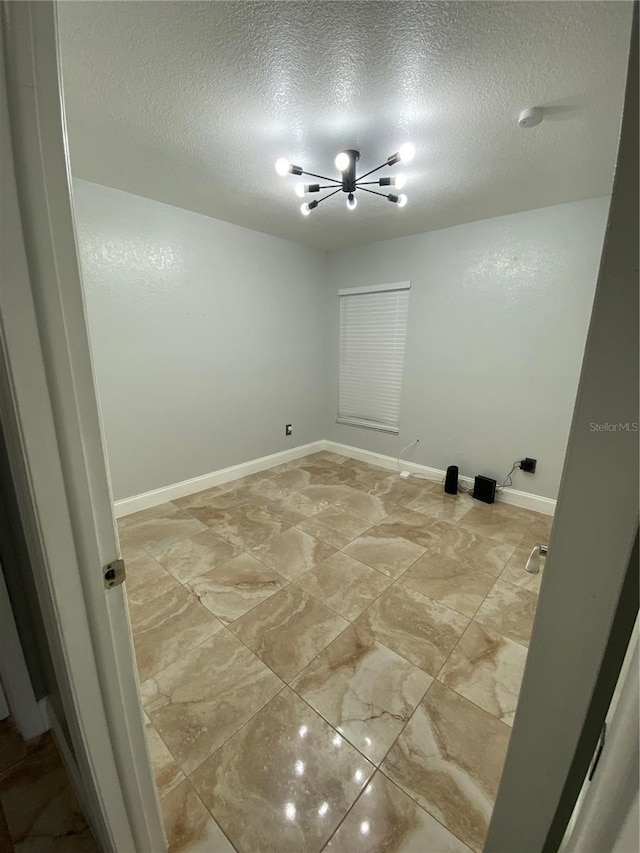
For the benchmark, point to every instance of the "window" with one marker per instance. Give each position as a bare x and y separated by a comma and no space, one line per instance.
373,334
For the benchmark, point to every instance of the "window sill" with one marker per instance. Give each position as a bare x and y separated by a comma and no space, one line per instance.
367,425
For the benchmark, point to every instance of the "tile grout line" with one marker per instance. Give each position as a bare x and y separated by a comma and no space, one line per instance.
400,787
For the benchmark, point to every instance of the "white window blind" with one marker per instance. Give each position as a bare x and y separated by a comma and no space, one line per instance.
373,335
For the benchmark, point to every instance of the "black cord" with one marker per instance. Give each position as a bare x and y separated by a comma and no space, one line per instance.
508,481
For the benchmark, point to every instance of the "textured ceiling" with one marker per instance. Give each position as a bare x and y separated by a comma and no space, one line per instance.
191,104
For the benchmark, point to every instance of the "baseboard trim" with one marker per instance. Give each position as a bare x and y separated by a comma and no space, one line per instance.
526,500
216,478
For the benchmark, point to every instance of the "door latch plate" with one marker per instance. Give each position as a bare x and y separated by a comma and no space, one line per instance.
114,573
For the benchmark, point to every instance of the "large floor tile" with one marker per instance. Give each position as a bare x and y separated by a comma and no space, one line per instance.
280,498
284,781
487,669
364,689
198,702
509,610
292,553
324,495
233,588
39,806
391,555
190,558
145,577
407,524
482,552
373,508
218,497
166,770
417,628
150,514
248,525
335,526
386,819
441,505
452,581
361,475
167,626
322,473
157,533
449,758
188,824
539,530
498,521
288,630
344,584
398,491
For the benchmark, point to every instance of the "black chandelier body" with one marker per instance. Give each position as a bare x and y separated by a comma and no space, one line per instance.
346,163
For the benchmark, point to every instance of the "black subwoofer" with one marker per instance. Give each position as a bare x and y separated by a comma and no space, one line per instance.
484,489
451,480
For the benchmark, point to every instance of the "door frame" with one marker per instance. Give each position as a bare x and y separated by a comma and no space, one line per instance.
54,437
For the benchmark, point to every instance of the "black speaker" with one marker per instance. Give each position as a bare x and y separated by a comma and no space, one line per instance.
484,489
451,480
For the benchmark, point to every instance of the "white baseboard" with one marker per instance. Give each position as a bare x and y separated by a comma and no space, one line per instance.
526,500
216,478
235,472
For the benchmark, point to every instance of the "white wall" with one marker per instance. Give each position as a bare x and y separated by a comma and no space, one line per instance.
207,338
498,317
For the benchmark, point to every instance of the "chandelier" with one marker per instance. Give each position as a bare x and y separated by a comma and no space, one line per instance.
349,183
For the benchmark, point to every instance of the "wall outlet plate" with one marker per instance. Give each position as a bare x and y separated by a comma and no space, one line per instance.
288,429
528,465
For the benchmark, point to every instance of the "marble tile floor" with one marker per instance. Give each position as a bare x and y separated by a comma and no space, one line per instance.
39,812
330,658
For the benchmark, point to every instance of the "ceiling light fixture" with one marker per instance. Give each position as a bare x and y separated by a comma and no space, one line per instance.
345,162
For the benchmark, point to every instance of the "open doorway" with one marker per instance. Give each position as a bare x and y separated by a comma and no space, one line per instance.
240,606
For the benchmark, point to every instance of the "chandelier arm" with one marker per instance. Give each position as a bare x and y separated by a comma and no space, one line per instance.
373,192
366,174
339,190
367,183
322,177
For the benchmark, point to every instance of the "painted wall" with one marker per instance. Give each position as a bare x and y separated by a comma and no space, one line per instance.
207,338
498,318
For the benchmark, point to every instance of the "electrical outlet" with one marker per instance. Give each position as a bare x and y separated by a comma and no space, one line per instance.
288,429
528,465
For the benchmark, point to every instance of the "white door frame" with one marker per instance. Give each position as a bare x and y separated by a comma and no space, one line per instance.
54,437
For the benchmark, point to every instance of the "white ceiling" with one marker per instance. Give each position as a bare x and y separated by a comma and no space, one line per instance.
191,103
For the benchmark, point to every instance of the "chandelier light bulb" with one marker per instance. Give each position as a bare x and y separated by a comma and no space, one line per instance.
305,210
352,201
399,181
300,189
282,166
402,200
342,161
406,152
